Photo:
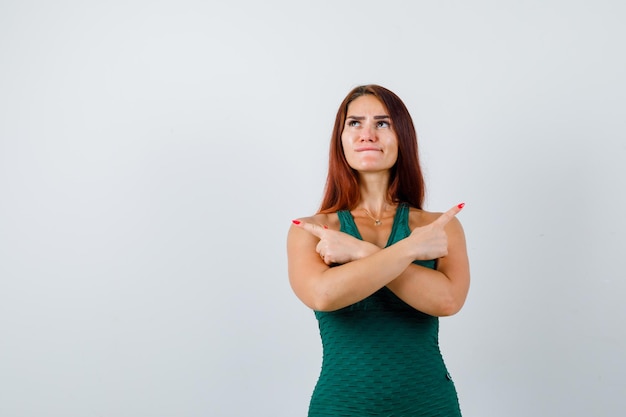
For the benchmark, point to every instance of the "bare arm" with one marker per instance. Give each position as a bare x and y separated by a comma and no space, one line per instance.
324,288
440,292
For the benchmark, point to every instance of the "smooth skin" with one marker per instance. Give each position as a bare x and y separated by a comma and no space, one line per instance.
329,269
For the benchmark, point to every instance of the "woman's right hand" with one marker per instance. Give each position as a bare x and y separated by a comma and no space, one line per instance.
431,241
335,247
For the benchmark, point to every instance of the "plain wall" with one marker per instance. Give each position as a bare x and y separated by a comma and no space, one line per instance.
153,153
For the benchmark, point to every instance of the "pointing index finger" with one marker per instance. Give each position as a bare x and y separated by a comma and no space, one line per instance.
314,229
448,215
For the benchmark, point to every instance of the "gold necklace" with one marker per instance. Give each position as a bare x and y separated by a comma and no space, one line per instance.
377,222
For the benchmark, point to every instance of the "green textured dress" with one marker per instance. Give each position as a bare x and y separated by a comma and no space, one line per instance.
381,356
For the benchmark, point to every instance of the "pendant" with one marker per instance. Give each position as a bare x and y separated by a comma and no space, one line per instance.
377,222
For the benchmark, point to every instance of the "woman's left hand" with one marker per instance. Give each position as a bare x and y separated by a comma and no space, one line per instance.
337,247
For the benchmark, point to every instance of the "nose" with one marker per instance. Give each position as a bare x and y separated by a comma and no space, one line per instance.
368,134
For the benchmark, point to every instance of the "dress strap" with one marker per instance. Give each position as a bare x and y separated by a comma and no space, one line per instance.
347,224
400,228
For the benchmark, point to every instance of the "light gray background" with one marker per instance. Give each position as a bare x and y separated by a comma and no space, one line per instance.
153,153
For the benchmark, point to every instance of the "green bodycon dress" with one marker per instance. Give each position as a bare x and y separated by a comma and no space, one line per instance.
381,356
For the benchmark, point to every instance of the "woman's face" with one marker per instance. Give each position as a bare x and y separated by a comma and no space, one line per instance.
369,141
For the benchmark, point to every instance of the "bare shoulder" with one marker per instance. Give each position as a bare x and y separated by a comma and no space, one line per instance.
419,218
303,237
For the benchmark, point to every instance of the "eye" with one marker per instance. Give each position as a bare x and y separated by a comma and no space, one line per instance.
354,123
382,124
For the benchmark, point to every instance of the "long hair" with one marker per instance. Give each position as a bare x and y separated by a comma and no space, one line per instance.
406,183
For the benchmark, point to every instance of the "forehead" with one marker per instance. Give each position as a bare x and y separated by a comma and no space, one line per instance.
367,104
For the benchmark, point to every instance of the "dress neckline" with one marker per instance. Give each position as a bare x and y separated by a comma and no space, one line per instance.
351,226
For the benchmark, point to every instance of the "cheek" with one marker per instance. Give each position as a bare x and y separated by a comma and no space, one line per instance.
346,147
394,151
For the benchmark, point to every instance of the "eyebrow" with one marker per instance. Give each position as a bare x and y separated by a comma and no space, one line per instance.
363,118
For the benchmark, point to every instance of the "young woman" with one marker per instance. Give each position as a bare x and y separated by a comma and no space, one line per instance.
378,270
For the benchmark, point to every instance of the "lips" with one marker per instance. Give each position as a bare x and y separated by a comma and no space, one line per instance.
367,148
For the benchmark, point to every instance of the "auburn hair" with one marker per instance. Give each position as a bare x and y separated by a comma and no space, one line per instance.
406,183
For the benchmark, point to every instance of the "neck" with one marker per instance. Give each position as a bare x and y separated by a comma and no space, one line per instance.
373,189
376,207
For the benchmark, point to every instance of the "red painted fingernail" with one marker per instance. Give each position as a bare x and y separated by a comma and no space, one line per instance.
295,221
461,205
325,227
